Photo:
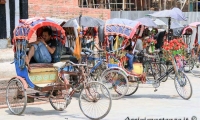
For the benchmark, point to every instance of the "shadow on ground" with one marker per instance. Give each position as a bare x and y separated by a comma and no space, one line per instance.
37,111
153,96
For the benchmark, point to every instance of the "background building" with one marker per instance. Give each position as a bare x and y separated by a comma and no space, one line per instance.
13,10
141,5
10,13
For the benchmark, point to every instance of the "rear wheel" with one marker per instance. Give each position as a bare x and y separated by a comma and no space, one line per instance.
116,82
16,97
189,64
133,87
58,98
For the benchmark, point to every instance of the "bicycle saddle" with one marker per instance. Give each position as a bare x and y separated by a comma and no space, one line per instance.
59,64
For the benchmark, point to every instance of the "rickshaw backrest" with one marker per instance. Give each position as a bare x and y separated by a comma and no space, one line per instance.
58,52
177,32
59,47
159,39
101,33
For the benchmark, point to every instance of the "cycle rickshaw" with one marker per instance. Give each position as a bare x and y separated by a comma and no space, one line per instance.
118,32
193,51
181,81
48,78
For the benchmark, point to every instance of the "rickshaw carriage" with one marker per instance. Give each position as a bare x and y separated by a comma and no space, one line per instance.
191,37
42,76
118,32
49,78
91,28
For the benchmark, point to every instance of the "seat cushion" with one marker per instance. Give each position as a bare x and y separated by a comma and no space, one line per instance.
41,67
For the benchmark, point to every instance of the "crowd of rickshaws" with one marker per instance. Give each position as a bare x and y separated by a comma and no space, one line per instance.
91,59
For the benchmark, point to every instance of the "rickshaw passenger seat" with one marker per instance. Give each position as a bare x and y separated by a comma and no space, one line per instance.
58,52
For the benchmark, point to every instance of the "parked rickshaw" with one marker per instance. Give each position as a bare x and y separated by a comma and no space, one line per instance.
186,34
194,47
181,81
91,39
118,32
48,79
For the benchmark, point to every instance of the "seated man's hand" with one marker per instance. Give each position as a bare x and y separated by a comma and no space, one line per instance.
41,40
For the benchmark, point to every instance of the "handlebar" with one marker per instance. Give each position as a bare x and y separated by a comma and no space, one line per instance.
149,56
91,51
143,54
115,50
74,64
87,50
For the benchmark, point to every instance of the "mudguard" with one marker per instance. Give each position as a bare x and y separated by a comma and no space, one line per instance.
22,80
115,68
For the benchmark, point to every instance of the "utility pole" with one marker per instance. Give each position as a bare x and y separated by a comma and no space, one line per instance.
160,4
196,5
165,4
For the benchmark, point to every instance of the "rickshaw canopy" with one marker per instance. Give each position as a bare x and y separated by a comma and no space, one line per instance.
194,24
27,27
123,27
85,21
174,13
147,22
159,22
187,31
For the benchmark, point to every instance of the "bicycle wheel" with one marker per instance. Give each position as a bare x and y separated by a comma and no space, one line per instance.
133,87
95,100
16,97
58,100
189,64
183,85
166,78
97,72
116,82
154,71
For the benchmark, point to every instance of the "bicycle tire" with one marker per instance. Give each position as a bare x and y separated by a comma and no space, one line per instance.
93,97
182,84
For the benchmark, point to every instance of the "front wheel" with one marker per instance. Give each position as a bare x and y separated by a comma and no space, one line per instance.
183,85
95,100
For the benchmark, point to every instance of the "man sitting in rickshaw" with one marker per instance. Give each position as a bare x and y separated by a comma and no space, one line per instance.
129,47
43,49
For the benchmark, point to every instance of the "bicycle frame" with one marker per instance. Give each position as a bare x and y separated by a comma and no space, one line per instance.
170,70
99,63
80,73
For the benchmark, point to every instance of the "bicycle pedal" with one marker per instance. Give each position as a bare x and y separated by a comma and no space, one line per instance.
51,96
77,90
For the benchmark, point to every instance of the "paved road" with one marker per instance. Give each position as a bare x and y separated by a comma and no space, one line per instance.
165,103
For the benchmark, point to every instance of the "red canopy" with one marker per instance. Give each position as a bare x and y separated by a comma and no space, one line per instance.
27,27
